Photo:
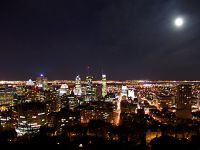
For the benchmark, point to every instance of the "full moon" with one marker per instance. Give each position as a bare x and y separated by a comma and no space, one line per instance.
178,22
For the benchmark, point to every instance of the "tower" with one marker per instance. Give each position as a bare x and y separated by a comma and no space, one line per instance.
89,82
42,82
131,93
29,83
31,116
77,90
104,88
90,90
124,91
183,101
64,89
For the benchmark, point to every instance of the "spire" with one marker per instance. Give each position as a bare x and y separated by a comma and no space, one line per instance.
88,70
104,87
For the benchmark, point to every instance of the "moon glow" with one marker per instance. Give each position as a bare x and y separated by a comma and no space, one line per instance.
178,22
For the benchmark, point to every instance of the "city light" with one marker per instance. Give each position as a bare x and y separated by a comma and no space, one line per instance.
61,104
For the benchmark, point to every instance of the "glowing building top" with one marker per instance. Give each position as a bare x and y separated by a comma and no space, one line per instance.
131,93
90,90
64,86
124,90
42,82
104,88
89,82
77,90
63,89
29,83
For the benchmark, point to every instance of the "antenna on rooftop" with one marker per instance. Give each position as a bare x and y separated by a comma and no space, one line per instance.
88,70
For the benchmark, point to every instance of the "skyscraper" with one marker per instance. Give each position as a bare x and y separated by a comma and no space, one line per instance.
124,92
29,83
90,90
42,82
183,101
77,90
104,88
64,89
31,116
131,93
89,82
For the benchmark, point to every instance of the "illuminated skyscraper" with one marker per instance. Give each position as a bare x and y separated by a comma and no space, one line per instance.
183,101
6,98
90,91
77,90
124,90
42,82
89,82
31,116
73,101
29,83
63,90
104,88
131,93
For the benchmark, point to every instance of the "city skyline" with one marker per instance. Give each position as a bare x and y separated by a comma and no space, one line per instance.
83,112
125,39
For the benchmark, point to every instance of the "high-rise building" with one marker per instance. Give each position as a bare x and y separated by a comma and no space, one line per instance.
73,101
131,93
31,116
29,83
53,101
64,89
124,93
104,88
183,101
77,90
89,82
42,82
60,120
6,98
90,90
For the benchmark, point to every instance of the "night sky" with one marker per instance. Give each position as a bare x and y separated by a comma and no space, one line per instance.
125,39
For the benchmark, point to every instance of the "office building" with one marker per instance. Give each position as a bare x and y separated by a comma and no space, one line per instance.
77,89
42,82
183,101
104,87
31,116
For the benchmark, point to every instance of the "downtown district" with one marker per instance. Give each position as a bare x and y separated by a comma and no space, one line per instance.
83,114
